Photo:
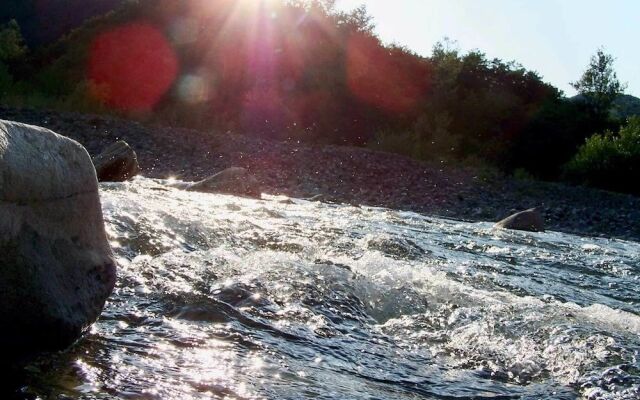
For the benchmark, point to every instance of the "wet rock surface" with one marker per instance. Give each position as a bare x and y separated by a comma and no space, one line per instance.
117,163
350,175
233,180
56,266
527,220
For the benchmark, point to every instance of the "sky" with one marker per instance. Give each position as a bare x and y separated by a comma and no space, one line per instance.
555,38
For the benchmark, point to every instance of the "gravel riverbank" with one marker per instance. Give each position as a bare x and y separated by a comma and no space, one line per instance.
348,174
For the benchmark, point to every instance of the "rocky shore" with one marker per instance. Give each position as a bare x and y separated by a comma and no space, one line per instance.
348,174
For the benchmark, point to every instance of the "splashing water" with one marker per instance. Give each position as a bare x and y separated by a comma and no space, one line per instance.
225,297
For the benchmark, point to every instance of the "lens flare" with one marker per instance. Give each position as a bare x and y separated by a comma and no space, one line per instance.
133,65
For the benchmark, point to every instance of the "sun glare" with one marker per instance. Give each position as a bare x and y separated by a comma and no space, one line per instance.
256,3
279,62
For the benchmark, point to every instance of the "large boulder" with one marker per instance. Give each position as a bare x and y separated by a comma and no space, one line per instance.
527,220
234,180
116,163
56,266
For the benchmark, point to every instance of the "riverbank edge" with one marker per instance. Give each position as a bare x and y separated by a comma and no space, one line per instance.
351,175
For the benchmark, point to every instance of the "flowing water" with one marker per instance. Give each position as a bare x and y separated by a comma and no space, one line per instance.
226,297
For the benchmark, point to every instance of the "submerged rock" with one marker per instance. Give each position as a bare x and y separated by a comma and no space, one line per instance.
234,180
116,163
56,266
527,220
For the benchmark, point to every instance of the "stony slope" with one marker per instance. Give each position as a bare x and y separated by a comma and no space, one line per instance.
348,174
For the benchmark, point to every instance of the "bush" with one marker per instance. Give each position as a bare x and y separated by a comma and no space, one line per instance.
11,49
6,80
428,139
609,161
552,137
522,174
394,142
11,42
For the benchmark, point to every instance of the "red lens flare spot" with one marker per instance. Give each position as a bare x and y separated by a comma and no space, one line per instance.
133,66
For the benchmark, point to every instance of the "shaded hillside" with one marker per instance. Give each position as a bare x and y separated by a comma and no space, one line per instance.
45,21
627,106
624,106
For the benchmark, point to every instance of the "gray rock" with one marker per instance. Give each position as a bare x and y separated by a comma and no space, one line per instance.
528,220
56,266
116,163
234,180
317,197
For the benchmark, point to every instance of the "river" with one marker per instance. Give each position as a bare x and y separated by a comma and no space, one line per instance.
226,297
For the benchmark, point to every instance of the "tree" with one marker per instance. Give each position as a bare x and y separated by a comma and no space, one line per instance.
599,84
11,42
11,48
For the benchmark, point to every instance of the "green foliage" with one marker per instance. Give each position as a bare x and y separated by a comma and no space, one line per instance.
303,70
599,83
54,76
12,44
552,136
6,79
522,174
610,161
405,143
12,48
475,107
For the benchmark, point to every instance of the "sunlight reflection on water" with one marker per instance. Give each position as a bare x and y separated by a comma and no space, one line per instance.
226,297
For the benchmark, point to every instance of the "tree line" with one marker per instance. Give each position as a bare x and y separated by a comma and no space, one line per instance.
302,70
